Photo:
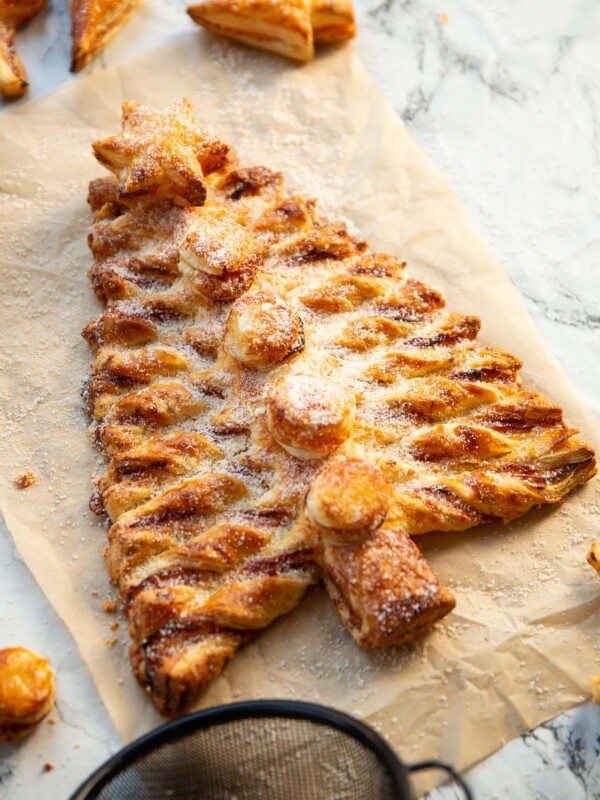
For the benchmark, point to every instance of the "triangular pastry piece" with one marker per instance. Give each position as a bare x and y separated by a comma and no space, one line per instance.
278,406
283,26
93,25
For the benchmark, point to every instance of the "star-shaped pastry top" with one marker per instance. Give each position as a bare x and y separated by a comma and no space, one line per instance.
161,154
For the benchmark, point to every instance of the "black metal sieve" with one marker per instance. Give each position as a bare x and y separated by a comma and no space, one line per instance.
261,750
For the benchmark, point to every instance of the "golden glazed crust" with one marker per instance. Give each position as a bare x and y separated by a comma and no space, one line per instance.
384,590
593,557
307,418
26,692
161,154
93,25
275,422
332,20
281,27
13,14
262,330
348,501
13,77
287,27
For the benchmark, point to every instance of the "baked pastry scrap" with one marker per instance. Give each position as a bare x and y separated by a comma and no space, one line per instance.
26,692
13,14
93,25
278,405
593,557
288,27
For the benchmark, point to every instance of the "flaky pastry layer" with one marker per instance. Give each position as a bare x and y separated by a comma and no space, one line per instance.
93,25
287,27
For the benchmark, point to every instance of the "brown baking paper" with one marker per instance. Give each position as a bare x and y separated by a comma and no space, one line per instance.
522,641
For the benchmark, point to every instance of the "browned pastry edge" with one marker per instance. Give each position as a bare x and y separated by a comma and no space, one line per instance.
283,27
13,76
593,557
332,20
172,681
383,589
93,25
280,27
17,12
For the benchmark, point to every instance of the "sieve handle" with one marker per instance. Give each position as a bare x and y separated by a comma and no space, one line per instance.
434,764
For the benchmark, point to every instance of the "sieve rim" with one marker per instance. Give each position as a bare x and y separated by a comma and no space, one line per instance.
290,709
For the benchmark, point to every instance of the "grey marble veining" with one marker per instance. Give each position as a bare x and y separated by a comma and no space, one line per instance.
506,101
504,95
557,761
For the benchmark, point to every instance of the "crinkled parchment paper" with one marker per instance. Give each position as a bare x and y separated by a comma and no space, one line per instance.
522,641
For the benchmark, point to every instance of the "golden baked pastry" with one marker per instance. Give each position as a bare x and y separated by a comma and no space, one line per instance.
26,692
24,480
93,25
593,557
348,500
287,27
332,20
262,330
278,405
13,77
307,419
134,157
13,14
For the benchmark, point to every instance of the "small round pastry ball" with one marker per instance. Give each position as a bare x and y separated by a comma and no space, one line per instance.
26,691
308,418
217,244
348,501
262,329
219,255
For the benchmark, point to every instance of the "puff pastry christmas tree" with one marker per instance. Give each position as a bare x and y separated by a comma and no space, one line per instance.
279,406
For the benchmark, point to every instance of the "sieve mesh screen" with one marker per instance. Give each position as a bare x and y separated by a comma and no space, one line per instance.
254,758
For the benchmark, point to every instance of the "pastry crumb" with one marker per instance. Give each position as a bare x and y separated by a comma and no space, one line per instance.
114,626
112,641
24,480
595,688
593,557
444,18
47,767
95,594
51,721
110,606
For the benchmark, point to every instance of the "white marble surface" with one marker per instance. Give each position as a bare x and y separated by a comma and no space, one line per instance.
505,97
